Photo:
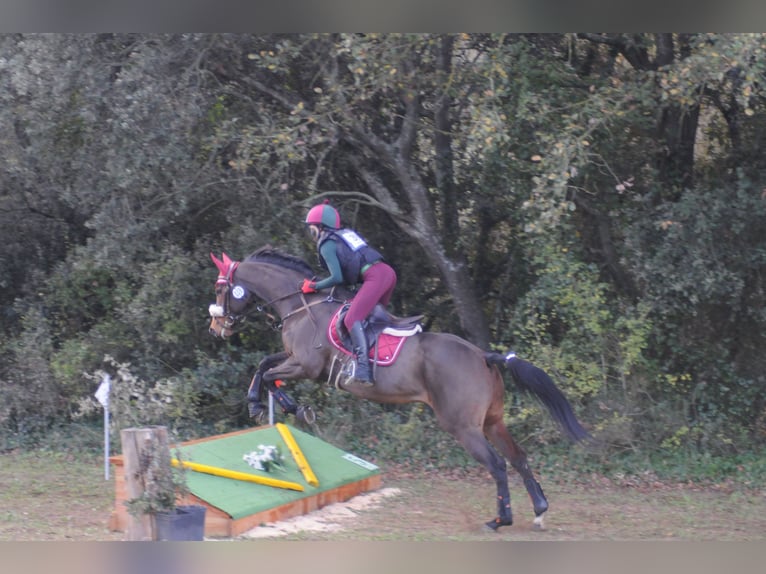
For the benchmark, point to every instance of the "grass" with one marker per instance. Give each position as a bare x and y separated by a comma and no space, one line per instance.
48,496
53,496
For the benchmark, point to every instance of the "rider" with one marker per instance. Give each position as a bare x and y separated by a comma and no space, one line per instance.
348,259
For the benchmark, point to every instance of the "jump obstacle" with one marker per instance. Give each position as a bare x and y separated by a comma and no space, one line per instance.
239,497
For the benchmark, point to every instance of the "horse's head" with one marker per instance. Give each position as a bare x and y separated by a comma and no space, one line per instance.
267,275
230,299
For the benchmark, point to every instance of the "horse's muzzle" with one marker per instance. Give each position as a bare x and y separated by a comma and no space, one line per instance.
217,328
218,331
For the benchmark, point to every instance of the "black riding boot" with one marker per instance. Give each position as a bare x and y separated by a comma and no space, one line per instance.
362,372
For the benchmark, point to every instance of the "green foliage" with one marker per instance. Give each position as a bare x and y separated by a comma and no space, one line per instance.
711,269
746,471
705,293
135,402
30,396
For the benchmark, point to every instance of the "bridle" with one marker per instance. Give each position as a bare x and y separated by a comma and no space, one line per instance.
231,320
217,311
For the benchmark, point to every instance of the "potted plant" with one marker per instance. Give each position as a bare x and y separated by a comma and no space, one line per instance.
164,485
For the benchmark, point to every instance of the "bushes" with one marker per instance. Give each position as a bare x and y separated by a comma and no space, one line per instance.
30,398
574,327
701,265
133,401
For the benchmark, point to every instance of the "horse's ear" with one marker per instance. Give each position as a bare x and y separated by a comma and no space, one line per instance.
222,266
226,260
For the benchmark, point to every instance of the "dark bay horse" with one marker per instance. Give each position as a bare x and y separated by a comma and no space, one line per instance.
459,381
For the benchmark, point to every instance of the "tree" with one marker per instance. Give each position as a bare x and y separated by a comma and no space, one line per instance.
377,120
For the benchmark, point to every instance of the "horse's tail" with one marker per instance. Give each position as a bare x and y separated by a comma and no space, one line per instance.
536,382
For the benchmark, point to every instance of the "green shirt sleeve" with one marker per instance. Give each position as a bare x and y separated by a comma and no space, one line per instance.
329,254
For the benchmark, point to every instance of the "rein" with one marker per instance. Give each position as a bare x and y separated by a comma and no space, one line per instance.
232,320
305,306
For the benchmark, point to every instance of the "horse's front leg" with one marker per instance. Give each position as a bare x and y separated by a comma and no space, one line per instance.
255,405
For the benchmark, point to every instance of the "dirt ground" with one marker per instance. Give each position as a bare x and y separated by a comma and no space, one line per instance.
442,507
46,498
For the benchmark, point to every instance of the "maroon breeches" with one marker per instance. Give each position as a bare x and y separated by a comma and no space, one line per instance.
378,285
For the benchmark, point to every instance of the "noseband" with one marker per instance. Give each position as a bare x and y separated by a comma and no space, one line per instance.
220,312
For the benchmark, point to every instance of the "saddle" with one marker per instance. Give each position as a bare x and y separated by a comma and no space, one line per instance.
385,333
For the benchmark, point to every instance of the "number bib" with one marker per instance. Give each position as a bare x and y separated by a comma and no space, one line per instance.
352,239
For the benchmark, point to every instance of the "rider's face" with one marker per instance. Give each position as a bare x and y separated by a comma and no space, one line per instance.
314,232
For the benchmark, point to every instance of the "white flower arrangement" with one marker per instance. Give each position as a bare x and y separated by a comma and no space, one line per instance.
265,458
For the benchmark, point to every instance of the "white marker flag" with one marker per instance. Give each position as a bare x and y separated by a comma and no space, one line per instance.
102,394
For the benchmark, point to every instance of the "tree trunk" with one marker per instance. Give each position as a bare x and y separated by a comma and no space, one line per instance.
443,162
676,127
419,223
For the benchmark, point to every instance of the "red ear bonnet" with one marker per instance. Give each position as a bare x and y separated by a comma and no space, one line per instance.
223,266
226,268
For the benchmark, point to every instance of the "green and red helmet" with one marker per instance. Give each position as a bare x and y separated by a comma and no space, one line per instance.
324,214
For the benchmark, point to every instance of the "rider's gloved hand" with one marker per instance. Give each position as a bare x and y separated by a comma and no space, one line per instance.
308,286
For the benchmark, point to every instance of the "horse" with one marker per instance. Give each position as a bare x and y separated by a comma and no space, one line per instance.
461,383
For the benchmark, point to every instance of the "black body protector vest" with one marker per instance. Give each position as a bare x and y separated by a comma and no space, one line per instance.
352,250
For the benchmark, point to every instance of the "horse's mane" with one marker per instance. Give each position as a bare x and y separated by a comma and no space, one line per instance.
268,254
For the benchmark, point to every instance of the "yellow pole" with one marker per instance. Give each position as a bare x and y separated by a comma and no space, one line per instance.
233,474
300,460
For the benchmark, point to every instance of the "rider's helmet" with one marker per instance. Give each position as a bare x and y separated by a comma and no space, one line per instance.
324,214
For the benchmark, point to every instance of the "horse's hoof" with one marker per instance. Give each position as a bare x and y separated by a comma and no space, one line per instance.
306,415
537,524
257,411
497,523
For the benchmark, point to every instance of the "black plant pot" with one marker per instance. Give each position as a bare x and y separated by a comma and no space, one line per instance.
185,523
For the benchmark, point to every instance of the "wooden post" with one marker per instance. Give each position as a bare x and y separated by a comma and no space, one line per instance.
137,445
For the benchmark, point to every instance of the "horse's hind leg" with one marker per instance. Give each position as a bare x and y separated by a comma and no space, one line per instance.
478,447
500,437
